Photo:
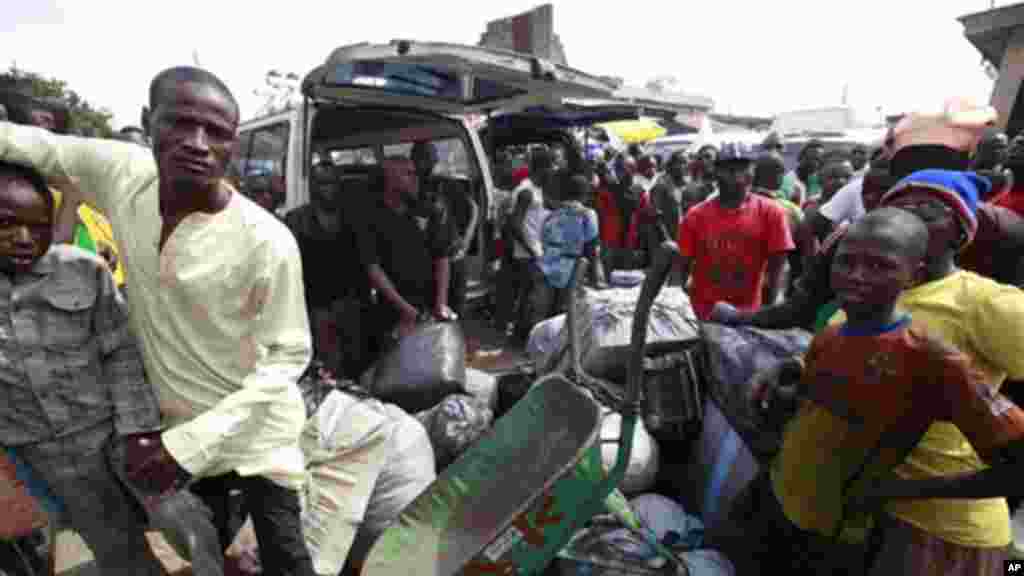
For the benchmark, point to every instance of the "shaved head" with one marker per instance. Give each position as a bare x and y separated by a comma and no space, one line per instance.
171,77
902,229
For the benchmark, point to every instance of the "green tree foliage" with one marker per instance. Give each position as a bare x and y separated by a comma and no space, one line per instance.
82,117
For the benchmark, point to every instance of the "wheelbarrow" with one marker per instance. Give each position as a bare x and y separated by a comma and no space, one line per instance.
511,502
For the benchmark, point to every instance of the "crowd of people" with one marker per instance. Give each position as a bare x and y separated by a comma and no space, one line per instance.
904,260
145,380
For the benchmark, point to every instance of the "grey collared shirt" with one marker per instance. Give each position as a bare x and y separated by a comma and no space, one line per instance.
67,359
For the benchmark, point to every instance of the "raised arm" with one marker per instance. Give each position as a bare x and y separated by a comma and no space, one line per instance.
84,169
523,202
474,223
775,278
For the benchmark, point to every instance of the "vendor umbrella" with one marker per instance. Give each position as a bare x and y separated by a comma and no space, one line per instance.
635,131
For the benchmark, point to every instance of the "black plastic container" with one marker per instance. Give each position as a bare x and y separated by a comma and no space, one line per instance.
673,394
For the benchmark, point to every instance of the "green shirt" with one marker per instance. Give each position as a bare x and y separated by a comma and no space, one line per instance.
82,239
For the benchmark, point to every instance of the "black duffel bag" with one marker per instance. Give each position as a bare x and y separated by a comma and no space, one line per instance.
422,368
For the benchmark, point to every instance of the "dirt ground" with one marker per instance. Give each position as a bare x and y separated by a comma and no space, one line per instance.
487,350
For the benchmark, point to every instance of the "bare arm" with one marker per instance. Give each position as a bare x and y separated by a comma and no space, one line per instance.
811,291
796,311
592,251
90,170
996,482
474,222
519,220
775,278
442,276
820,225
685,264
380,281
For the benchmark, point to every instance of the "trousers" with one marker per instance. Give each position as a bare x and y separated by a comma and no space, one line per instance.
83,472
197,523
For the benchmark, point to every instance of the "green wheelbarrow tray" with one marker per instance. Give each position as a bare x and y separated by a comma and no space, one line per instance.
516,497
510,503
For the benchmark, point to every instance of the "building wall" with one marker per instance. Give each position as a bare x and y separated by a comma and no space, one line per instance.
531,32
1011,72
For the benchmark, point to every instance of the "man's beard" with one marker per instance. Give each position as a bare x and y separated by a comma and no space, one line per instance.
195,183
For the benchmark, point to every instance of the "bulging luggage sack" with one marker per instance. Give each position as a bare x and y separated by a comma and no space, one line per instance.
644,459
735,356
721,466
454,425
365,462
544,338
482,386
423,368
605,326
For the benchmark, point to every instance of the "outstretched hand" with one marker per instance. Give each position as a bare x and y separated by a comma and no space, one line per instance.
725,313
445,314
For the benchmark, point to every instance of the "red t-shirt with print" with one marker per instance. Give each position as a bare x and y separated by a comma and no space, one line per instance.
730,248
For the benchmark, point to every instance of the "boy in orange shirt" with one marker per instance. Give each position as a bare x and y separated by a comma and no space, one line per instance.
872,387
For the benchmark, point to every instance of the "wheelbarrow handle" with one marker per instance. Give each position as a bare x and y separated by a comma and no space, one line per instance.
630,406
602,387
579,270
661,266
664,257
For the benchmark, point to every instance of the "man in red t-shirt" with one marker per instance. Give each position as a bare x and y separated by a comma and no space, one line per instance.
734,244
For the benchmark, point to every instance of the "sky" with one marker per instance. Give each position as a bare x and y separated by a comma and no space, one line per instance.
750,57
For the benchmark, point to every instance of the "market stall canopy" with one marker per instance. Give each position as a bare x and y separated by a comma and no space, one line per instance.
635,131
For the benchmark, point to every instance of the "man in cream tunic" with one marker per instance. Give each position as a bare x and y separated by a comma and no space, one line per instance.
217,304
